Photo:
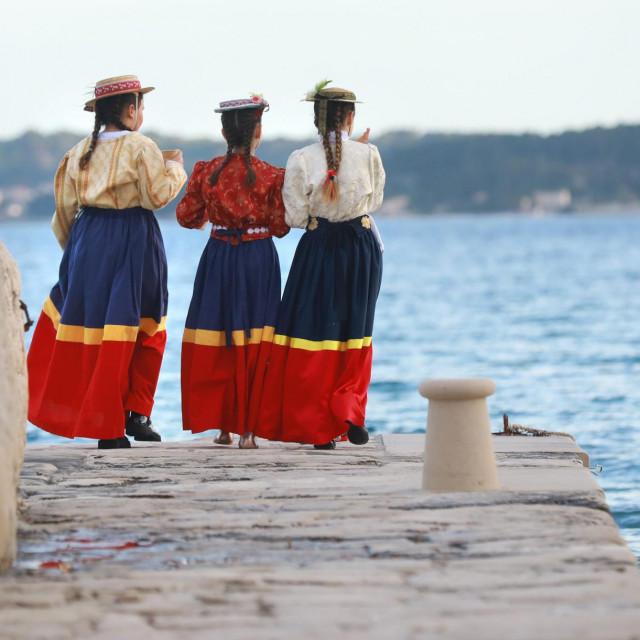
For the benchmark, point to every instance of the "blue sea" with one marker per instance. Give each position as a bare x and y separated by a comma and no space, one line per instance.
548,307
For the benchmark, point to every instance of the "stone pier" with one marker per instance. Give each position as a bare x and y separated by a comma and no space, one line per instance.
13,402
192,540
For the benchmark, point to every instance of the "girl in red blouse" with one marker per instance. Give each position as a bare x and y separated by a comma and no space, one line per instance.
230,325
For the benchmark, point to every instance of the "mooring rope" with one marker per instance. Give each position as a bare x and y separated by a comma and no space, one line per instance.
521,430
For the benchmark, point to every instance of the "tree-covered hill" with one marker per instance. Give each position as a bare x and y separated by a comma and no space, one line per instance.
507,172
425,173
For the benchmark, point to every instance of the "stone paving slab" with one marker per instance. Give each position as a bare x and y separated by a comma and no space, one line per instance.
193,540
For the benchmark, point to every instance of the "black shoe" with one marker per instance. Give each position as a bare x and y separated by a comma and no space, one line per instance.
328,445
115,443
139,427
357,434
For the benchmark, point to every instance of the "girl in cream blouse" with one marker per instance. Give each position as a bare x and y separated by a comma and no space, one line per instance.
320,366
126,170
97,349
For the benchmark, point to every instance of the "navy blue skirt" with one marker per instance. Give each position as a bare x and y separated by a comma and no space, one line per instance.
237,288
229,334
99,342
333,284
320,366
114,269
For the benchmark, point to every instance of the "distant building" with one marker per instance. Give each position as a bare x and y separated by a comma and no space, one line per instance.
19,200
558,201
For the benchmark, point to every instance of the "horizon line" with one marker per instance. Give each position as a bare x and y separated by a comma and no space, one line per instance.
389,132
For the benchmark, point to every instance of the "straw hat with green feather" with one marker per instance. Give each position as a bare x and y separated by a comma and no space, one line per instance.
323,94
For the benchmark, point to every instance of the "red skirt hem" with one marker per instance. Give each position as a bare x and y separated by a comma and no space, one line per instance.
222,386
309,395
79,390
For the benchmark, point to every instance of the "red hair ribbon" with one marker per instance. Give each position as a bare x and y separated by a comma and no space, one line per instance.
331,175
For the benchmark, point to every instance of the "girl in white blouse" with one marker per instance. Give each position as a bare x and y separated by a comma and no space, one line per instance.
320,368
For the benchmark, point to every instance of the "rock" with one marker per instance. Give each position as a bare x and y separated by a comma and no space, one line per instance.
13,402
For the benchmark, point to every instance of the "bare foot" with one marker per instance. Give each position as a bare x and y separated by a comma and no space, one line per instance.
247,441
224,437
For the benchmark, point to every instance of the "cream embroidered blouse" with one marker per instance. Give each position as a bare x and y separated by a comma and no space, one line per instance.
360,180
126,170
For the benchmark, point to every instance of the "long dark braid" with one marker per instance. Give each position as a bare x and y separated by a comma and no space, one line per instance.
84,161
108,111
336,113
248,137
239,126
213,178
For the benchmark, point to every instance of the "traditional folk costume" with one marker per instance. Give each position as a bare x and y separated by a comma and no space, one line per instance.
320,365
97,348
231,319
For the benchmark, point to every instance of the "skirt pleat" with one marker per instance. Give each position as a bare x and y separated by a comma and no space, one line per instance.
97,348
228,335
320,365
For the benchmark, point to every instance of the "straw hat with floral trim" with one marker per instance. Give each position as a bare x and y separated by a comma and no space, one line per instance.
322,94
256,101
113,87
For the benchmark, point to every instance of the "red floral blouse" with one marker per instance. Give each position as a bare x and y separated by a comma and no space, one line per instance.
229,203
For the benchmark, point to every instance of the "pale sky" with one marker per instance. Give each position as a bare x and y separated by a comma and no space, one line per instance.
423,65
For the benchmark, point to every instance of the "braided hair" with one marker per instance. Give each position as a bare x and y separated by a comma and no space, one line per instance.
337,112
109,111
239,126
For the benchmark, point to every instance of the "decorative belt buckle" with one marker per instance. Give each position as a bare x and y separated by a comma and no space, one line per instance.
366,222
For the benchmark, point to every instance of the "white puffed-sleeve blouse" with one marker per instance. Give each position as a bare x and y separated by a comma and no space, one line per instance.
360,180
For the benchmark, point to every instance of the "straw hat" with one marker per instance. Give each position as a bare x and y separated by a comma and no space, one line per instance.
335,94
323,94
113,87
256,101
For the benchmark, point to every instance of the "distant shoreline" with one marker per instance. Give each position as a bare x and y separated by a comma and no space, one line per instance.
594,170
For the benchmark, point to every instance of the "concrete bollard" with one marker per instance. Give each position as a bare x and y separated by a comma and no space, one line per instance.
458,450
13,403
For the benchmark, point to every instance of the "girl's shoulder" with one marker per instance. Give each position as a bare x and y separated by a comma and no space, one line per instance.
360,154
135,138
198,168
134,144
79,148
311,149
265,168
214,163
306,154
207,166
363,149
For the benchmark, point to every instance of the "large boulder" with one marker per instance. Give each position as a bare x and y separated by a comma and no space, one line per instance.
13,402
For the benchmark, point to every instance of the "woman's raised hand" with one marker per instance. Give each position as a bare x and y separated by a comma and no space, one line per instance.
364,138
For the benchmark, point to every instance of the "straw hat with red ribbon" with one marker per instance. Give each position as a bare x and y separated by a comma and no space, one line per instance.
113,87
